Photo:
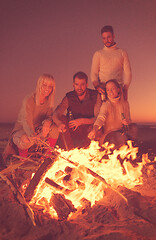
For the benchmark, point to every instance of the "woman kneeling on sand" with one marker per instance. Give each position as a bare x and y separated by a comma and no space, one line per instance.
35,118
115,116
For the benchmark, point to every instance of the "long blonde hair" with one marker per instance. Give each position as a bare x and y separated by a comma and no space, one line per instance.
51,96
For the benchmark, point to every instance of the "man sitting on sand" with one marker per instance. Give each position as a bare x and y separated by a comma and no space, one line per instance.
82,106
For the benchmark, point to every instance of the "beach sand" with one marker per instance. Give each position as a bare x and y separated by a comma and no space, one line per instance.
147,136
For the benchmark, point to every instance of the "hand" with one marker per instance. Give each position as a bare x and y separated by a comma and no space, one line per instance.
74,124
25,139
125,122
100,90
45,129
62,128
91,135
44,133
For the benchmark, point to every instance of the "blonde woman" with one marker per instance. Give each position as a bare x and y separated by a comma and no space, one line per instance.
35,117
114,116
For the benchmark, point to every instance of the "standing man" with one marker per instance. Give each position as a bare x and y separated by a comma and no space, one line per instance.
76,113
110,62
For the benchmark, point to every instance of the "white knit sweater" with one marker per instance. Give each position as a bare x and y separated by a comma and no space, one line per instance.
110,115
111,63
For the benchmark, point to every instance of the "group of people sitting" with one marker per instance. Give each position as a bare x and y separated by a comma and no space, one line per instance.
84,114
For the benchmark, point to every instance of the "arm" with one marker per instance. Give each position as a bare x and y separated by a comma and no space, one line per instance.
26,115
101,118
127,113
127,75
59,111
99,121
82,121
74,124
92,134
46,124
95,68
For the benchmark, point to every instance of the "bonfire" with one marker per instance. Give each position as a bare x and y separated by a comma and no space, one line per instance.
70,185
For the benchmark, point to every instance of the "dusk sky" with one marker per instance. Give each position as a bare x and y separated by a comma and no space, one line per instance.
59,37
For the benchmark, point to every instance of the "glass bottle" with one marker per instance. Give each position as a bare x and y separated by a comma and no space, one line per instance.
71,117
124,127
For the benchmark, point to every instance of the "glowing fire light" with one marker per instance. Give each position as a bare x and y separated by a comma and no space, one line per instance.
70,173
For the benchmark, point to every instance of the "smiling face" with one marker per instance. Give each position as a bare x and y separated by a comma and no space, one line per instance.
108,39
46,87
80,86
112,90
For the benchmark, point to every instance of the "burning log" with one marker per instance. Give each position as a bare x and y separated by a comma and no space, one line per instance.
62,206
80,184
37,177
85,203
57,186
94,174
53,184
121,163
71,173
104,181
68,170
69,182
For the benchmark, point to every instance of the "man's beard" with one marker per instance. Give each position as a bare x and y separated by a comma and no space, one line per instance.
81,93
110,44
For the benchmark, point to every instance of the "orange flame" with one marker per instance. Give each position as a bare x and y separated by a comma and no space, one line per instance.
70,172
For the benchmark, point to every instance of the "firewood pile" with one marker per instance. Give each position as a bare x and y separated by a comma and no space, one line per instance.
121,212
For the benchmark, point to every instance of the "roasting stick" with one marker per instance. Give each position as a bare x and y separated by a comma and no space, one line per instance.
49,147
11,168
65,142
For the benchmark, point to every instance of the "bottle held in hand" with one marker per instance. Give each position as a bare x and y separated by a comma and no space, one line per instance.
103,92
103,97
124,127
71,118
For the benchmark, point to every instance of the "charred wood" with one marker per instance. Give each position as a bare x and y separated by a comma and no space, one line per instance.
68,170
53,184
61,189
97,176
121,163
85,203
62,206
67,177
37,177
80,184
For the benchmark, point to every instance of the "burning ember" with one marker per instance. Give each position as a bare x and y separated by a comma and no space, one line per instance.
78,178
